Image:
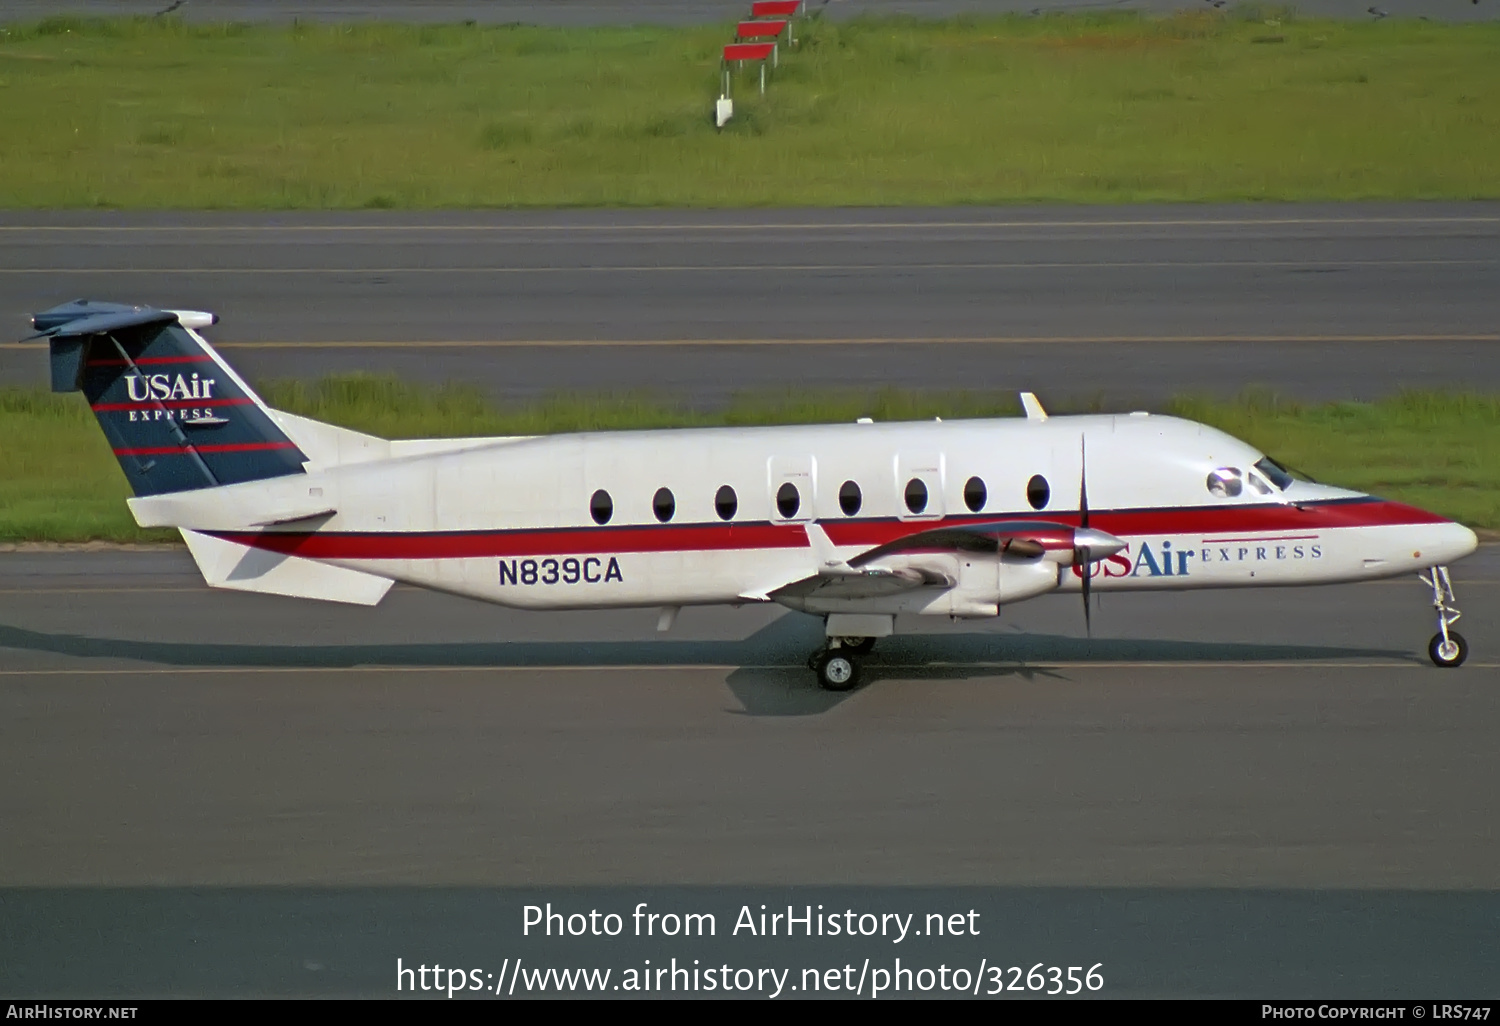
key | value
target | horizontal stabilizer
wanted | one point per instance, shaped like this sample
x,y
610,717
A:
x,y
225,564
76,322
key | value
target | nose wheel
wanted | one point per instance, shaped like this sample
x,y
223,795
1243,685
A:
x,y
1447,647
1449,651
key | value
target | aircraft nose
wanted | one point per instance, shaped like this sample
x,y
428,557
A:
x,y
1447,542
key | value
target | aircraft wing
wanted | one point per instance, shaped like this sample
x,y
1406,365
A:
x,y
874,582
1026,539
898,565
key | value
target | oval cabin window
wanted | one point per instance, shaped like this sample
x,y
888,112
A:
x,y
788,502
1038,491
726,503
601,507
849,498
663,504
916,495
975,494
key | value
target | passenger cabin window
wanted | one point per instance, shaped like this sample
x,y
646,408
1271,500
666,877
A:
x,y
1226,482
916,495
788,502
975,494
663,504
726,503
1278,475
850,498
601,507
1038,491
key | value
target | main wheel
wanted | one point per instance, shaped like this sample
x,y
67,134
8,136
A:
x,y
1453,652
859,646
837,669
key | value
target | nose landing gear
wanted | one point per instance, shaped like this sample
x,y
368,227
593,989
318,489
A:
x,y
1447,647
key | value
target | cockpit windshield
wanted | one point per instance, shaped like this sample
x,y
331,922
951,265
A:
x,y
1275,472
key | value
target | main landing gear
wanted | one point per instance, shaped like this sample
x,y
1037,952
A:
x,y
838,665
1447,647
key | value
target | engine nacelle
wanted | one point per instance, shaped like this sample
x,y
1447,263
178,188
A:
x,y
983,584
1018,580
932,584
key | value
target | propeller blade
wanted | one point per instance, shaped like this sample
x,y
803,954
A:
x,y
1083,553
1083,483
1088,576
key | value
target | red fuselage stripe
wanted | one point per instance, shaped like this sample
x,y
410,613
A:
x,y
708,537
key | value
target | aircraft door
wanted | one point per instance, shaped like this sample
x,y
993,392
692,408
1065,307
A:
x,y
792,485
919,485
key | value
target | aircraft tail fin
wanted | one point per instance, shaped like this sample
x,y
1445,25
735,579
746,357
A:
x,y
177,416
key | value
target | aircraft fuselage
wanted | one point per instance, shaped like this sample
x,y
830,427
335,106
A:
x,y
720,515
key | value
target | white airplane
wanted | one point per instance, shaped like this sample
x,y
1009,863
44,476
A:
x,y
855,523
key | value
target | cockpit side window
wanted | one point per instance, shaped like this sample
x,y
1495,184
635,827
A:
x,y
1226,482
1278,475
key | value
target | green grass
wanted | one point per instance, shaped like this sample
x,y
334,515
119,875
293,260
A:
x,y
158,113
1439,451
59,481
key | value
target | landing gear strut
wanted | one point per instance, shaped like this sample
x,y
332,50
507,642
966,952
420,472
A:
x,y
1447,647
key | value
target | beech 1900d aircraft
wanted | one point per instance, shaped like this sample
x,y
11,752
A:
x,y
855,523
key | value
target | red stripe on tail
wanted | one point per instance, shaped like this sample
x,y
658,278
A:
x,y
168,450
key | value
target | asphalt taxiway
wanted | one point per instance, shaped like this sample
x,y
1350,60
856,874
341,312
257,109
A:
x,y
1116,304
1220,794
159,731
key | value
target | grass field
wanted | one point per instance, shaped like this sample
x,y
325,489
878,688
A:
x,y
159,113
1441,452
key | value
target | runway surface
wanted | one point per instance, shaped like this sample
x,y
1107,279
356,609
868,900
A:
x,y
675,12
1222,793
1291,738
1119,303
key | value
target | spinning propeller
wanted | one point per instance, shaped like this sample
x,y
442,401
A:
x,y
1089,545
1083,553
